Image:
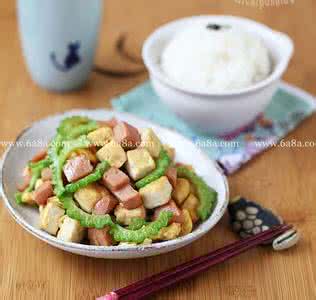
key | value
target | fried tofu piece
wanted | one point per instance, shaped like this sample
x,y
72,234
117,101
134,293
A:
x,y
191,204
50,217
88,196
38,183
124,216
168,233
181,191
71,230
88,153
113,153
156,193
151,142
28,198
101,136
187,224
139,163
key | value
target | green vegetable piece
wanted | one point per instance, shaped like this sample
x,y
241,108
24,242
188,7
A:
x,y
85,219
58,151
95,176
44,163
163,163
121,234
73,127
136,223
36,170
207,196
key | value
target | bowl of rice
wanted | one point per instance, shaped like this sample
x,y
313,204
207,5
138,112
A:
x,y
216,72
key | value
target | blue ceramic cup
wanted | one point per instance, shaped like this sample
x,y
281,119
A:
x,y
59,39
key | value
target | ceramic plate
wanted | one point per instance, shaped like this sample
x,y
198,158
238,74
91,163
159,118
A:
x,y
42,131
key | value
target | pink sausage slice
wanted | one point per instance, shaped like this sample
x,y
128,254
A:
x,y
26,179
126,135
105,206
170,206
46,174
43,192
110,123
114,179
172,176
128,197
100,237
77,168
39,156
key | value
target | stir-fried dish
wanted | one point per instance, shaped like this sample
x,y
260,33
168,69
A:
x,y
108,183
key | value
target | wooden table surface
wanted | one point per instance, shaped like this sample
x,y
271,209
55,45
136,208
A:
x,y
282,178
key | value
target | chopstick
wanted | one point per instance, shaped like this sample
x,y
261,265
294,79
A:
x,y
152,284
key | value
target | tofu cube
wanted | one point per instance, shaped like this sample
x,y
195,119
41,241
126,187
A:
x,y
113,153
28,198
168,233
139,163
71,231
124,216
151,142
101,136
88,196
181,191
50,217
191,204
156,193
187,225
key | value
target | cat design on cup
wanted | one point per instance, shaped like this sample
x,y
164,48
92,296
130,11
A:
x,y
70,61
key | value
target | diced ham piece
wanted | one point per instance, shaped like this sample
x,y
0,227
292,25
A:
x,y
77,167
126,135
43,192
172,176
110,123
128,197
46,174
114,179
170,206
105,206
100,237
39,156
26,179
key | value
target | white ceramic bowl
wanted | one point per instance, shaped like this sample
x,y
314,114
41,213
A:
x,y
16,157
217,113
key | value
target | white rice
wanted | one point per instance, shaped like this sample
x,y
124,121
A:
x,y
208,60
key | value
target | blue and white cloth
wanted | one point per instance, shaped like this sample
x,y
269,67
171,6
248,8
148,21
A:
x,y
289,107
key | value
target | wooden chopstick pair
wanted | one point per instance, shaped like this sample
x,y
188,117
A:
x,y
152,284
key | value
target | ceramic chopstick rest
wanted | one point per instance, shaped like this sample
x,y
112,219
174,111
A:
x,y
286,240
249,218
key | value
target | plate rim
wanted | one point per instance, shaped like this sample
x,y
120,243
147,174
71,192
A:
x,y
77,247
